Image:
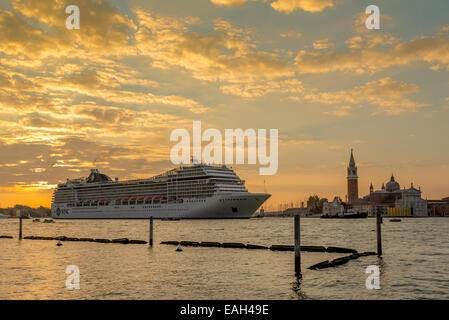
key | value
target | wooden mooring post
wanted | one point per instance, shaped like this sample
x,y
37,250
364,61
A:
x,y
20,223
297,246
379,233
151,231
20,228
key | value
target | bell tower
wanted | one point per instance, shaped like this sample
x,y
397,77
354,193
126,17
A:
x,y
353,184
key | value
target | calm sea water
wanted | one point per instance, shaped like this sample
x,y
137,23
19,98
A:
x,y
414,264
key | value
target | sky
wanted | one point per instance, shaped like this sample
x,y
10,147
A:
x,y
108,95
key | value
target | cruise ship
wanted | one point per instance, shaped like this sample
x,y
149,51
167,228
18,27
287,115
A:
x,y
196,191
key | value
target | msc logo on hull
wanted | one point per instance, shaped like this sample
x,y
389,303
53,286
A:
x,y
60,211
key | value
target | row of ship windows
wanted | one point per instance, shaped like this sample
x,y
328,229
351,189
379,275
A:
x,y
179,196
132,193
115,203
172,184
241,199
122,192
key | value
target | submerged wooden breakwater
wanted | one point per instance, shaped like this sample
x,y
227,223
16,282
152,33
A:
x,y
275,247
99,240
340,261
322,265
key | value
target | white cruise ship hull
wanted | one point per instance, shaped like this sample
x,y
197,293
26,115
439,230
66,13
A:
x,y
223,206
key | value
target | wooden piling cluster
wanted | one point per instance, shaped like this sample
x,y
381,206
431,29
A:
x,y
99,240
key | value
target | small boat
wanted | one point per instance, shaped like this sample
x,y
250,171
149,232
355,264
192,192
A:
x,y
36,220
395,220
328,216
350,214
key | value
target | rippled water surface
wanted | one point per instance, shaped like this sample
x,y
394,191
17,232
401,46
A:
x,y
414,264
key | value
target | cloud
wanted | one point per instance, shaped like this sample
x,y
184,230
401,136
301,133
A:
x,y
47,165
322,44
102,26
359,23
230,3
49,92
386,94
291,34
259,89
35,122
369,39
33,186
286,6
229,55
20,38
433,49
285,142
340,111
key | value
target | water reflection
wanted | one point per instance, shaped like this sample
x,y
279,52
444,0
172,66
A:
x,y
413,265
297,287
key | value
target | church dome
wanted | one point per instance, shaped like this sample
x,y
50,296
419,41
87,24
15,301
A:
x,y
392,185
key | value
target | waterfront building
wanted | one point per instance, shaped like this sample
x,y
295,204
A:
x,y
411,200
391,200
438,208
407,201
333,208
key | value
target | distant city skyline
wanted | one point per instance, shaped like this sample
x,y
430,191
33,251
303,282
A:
x,y
108,95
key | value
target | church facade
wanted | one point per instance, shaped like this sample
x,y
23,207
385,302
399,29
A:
x,y
390,199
